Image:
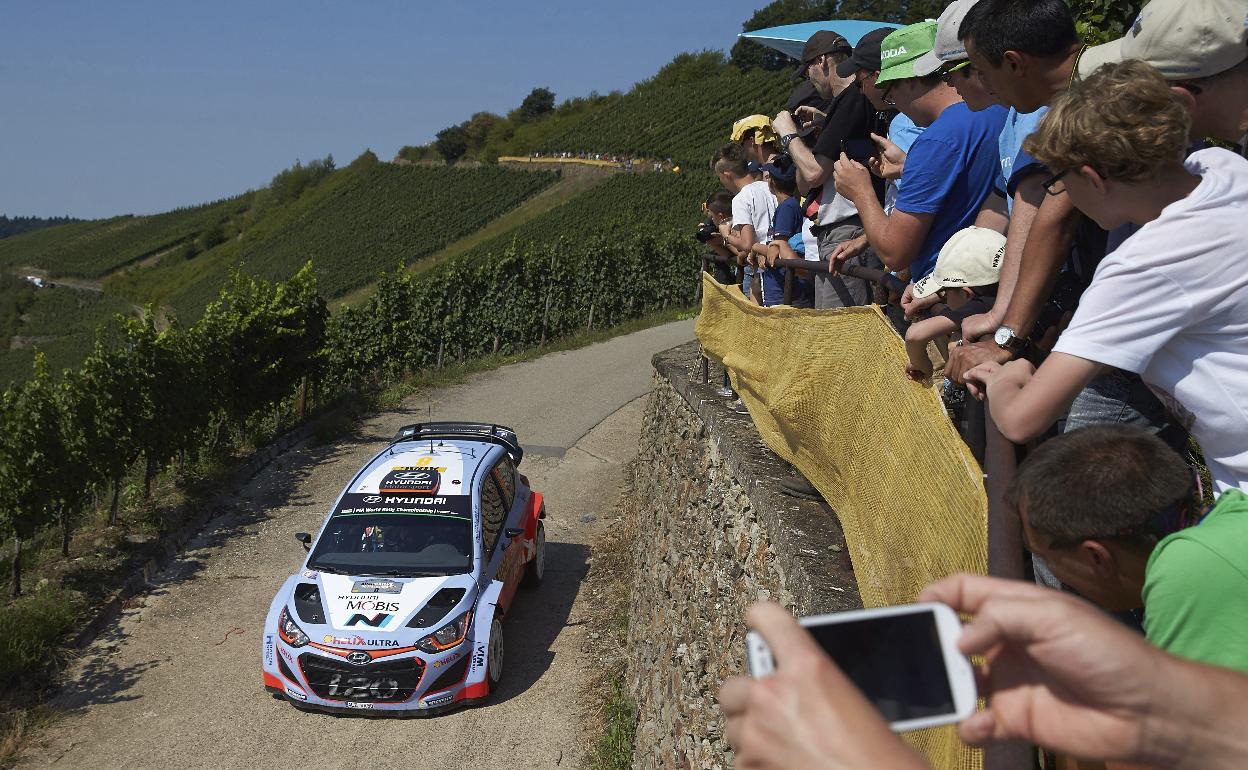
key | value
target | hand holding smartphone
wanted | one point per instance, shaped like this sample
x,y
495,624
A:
x,y
904,659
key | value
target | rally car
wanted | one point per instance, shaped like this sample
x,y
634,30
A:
x,y
398,607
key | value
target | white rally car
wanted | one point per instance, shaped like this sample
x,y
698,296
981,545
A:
x,y
398,606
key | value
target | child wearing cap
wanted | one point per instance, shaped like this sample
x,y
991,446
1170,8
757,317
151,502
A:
x,y
965,281
781,178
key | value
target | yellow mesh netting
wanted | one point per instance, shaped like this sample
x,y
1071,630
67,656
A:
x,y
827,392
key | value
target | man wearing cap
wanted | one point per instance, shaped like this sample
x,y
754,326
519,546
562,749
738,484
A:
x,y
949,171
849,116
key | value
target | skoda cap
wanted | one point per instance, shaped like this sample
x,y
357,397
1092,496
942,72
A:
x,y
900,51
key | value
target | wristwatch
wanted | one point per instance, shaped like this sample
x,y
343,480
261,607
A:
x,y
786,139
1007,340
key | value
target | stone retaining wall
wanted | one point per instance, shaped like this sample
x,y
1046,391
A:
x,y
716,535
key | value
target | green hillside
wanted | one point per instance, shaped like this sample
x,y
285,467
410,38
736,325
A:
x,y
625,204
353,225
61,322
92,249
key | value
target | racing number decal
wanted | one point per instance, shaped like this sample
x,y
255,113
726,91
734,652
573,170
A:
x,y
410,480
363,687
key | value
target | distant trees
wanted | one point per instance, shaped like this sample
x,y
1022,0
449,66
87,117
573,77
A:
x,y
289,184
18,225
451,143
539,102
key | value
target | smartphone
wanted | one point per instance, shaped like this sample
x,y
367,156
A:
x,y
861,150
905,659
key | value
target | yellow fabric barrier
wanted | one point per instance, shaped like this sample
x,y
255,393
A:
x,y
828,393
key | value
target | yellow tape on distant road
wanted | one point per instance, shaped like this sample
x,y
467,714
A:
x,y
827,392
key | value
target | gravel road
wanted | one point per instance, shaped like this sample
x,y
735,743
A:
x,y
175,682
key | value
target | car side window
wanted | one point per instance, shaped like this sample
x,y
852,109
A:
x,y
493,512
505,471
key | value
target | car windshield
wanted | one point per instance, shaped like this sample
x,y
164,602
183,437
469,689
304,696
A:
x,y
397,544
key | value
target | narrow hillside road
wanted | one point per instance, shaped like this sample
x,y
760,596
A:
x,y
176,681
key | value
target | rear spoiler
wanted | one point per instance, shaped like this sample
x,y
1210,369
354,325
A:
x,y
469,431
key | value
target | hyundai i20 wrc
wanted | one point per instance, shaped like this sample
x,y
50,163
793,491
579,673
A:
x,y
398,607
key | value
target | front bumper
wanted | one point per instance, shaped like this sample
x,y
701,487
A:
x,y
408,684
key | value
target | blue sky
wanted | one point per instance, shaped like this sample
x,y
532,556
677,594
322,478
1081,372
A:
x,y
142,106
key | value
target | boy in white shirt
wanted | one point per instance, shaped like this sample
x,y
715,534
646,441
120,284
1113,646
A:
x,y
753,208
1171,303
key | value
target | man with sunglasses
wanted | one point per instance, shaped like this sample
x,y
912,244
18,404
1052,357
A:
x,y
1116,515
849,117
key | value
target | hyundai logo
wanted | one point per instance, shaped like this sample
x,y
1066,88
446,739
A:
x,y
372,499
358,658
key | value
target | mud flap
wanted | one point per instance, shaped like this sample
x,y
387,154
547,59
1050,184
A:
x,y
475,685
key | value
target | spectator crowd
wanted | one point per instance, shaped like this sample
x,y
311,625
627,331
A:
x,y
1067,221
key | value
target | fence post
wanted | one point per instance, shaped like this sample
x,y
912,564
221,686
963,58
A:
x,y
1005,558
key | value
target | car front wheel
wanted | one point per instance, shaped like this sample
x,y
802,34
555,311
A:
x,y
494,655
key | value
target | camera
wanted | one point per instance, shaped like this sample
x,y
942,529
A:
x,y
706,231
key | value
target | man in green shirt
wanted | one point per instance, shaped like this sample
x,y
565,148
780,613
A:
x,y
1115,513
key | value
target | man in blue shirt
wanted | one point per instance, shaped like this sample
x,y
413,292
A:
x,y
949,172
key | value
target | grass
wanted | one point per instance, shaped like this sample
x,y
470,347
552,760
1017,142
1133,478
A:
x,y
610,714
614,750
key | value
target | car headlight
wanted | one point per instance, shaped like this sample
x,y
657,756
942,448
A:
x,y
289,631
447,636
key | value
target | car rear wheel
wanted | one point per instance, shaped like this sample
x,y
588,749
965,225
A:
x,y
494,654
535,570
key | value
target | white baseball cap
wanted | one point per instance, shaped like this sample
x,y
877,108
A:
x,y
971,257
1183,39
947,49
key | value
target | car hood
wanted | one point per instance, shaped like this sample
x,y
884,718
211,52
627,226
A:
x,y
376,605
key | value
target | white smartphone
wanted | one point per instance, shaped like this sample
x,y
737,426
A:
x,y
905,659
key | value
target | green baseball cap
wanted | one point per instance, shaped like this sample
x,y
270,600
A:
x,y
901,49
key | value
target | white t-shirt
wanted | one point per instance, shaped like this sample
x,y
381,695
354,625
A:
x,y
833,207
809,241
755,205
1171,304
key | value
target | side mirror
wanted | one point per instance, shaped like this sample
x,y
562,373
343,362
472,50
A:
x,y
513,532
305,538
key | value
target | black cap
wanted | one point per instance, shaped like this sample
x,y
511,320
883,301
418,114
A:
x,y
866,54
823,41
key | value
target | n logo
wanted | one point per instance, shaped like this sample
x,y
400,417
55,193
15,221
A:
x,y
375,621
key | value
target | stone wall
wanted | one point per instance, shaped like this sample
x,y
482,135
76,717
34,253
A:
x,y
716,535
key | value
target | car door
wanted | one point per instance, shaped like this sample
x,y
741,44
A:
x,y
510,568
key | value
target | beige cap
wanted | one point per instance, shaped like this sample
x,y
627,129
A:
x,y
971,257
1184,39
947,48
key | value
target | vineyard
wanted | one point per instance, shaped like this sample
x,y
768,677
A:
x,y
684,113
622,206
60,323
360,221
94,248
